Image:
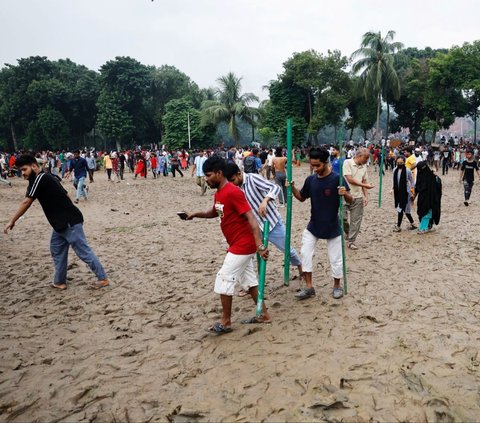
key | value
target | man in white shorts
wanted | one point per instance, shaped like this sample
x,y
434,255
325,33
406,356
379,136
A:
x,y
324,190
242,233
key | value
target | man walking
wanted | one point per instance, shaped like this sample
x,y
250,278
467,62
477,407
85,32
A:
x,y
355,172
197,169
63,216
242,233
323,189
467,176
92,164
78,165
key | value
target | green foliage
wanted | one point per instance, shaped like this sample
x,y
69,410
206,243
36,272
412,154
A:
x,y
314,90
375,66
114,122
125,83
175,122
362,112
228,105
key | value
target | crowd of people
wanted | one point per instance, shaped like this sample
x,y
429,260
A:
x,y
246,197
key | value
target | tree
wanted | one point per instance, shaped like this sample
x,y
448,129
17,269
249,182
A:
x,y
229,104
125,85
376,68
114,122
37,92
362,111
175,122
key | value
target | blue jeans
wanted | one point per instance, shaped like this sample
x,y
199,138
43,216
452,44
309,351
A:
x,y
75,237
64,168
277,238
80,183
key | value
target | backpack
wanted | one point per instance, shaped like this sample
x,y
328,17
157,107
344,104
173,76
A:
x,y
249,165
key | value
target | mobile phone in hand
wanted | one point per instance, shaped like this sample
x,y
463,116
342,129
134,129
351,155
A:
x,y
182,215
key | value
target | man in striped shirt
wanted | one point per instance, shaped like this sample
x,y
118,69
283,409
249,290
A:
x,y
261,194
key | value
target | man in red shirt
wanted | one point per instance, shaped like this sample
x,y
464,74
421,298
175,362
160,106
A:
x,y
242,233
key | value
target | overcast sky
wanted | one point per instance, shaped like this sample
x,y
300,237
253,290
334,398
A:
x,y
208,38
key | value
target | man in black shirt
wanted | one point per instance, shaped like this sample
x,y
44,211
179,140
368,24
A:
x,y
65,219
467,175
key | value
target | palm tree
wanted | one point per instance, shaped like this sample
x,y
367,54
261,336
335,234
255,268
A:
x,y
376,68
229,105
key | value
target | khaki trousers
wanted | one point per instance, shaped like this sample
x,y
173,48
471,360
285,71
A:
x,y
355,212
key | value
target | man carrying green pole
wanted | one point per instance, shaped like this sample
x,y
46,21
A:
x,y
323,189
286,262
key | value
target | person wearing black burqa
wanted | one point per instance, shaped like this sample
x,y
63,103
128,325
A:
x,y
403,185
428,188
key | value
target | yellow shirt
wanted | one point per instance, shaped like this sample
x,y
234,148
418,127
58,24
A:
x,y
410,162
107,162
358,172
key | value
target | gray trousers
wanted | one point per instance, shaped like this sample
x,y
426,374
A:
x,y
355,210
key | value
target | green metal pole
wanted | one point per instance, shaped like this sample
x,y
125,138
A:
x,y
344,259
262,268
288,200
381,179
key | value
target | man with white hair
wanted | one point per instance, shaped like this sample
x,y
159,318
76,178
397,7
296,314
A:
x,y
355,172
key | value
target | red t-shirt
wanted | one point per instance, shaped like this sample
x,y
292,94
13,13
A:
x,y
231,206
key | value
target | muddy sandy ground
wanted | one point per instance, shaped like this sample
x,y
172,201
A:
x,y
401,346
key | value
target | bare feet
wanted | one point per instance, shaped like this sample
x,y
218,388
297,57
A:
x,y
61,286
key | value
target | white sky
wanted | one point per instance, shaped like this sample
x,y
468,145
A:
x,y
208,38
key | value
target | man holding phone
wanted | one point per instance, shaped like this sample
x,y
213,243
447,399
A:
x,y
242,233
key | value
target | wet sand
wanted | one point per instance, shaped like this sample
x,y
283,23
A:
x,y
401,346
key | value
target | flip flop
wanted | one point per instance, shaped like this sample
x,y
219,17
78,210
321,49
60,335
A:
x,y
99,284
61,287
254,320
219,329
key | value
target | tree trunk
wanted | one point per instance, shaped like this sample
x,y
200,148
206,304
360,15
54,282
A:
x,y
379,103
475,125
309,107
388,121
335,133
14,136
351,134
119,146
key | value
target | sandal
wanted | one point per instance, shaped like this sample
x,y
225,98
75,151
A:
x,y
219,329
242,293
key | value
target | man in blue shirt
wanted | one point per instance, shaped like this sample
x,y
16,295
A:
x,y
197,169
78,165
323,189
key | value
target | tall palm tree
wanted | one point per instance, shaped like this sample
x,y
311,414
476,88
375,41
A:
x,y
229,105
375,67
